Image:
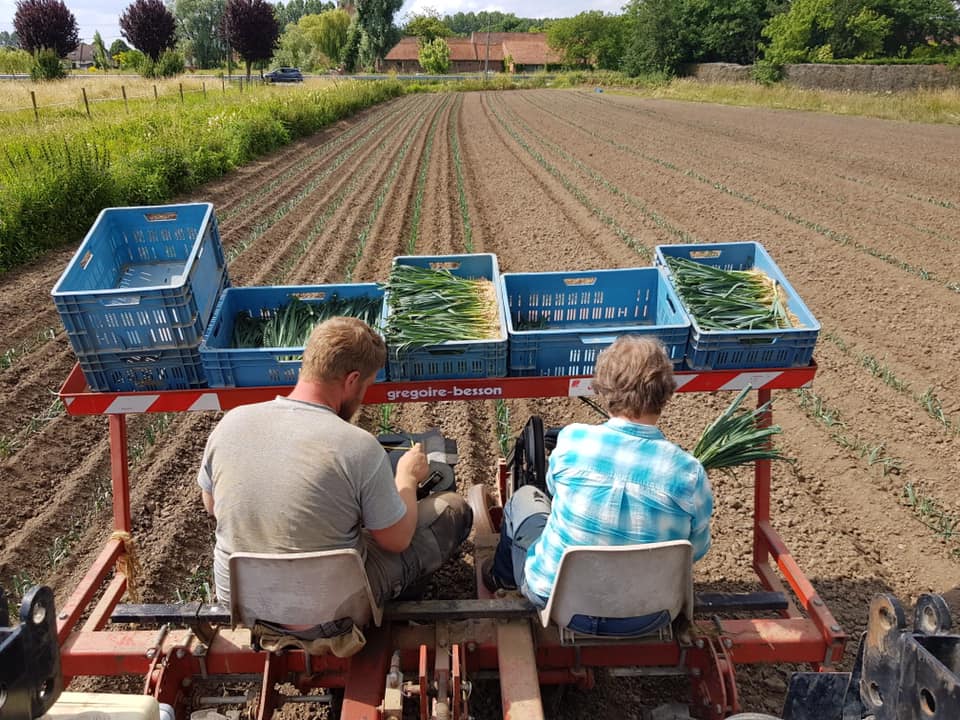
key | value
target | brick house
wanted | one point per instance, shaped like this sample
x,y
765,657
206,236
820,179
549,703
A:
x,y
82,57
524,52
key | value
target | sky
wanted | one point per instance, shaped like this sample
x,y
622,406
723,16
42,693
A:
x,y
103,15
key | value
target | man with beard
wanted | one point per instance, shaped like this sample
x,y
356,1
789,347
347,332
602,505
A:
x,y
293,475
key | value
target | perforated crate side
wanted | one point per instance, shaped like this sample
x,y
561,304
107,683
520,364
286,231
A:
x,y
139,286
745,349
481,360
227,366
143,371
587,310
454,359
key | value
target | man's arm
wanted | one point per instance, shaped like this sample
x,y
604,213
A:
x,y
205,481
412,469
207,501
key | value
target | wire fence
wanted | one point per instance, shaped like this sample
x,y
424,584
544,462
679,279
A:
x,y
157,93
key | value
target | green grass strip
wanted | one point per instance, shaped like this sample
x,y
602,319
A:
x,y
259,192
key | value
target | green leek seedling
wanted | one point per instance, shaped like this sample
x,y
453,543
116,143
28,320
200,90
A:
x,y
429,307
730,299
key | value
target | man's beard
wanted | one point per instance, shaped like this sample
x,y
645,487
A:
x,y
349,407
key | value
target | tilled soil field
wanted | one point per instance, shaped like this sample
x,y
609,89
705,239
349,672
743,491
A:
x,y
861,215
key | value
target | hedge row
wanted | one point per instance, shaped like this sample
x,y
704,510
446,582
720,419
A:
x,y
52,186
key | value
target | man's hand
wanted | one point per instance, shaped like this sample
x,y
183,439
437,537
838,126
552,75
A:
x,y
412,468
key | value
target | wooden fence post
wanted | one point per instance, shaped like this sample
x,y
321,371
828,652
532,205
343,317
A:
x,y
223,84
33,99
155,96
204,86
85,103
123,91
181,93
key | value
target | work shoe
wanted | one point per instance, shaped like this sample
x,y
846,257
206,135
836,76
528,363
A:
x,y
491,581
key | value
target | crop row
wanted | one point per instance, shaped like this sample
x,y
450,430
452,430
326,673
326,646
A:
x,y
873,453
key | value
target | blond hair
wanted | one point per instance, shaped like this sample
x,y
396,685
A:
x,y
634,376
339,346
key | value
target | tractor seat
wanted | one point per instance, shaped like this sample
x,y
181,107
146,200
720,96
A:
x,y
318,601
624,591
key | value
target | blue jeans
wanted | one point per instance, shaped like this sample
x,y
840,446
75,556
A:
x,y
524,517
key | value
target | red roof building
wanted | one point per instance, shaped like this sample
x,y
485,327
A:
x,y
523,52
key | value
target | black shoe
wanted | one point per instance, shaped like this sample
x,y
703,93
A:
x,y
490,580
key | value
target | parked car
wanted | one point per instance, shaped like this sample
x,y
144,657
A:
x,y
284,74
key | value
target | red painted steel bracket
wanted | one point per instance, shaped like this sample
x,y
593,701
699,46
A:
x,y
78,399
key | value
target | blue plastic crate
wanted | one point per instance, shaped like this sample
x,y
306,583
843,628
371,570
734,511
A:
x,y
143,370
227,366
144,278
452,359
583,313
746,349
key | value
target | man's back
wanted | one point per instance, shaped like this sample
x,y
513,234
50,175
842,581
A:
x,y
619,483
289,476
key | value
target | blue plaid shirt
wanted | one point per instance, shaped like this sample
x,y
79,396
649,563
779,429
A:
x,y
620,483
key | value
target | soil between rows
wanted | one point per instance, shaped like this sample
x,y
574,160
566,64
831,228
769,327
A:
x,y
793,181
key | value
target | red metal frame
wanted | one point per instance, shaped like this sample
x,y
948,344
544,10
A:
x,y
814,638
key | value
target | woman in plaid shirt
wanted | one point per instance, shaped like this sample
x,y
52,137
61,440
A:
x,y
619,483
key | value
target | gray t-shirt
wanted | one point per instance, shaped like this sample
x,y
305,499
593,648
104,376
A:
x,y
289,476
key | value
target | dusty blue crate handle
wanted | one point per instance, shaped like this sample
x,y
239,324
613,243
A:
x,y
120,301
160,216
759,341
320,295
573,281
445,265
139,359
598,340
705,254
451,351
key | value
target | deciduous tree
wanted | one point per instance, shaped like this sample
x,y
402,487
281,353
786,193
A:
x,y
427,26
590,38
101,59
379,34
251,29
46,24
200,23
327,31
293,10
149,26
657,38
434,56
491,21
118,46
350,54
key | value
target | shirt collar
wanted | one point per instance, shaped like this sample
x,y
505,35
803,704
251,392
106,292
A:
x,y
637,429
307,403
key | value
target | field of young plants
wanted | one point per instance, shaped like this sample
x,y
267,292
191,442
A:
x,y
861,215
